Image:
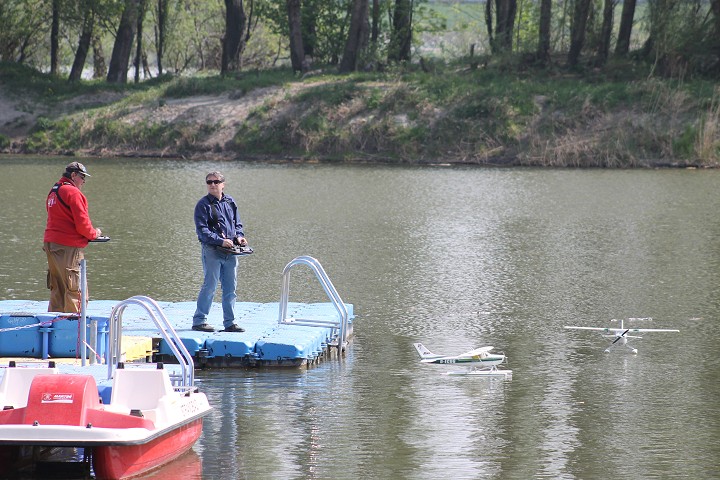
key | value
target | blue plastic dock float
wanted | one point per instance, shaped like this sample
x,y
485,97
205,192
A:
x,y
28,330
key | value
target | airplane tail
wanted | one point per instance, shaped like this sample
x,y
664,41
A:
x,y
422,351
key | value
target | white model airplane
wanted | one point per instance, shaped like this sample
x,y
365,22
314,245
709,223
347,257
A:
x,y
479,361
619,336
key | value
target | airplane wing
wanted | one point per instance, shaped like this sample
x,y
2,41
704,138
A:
x,y
476,352
640,330
598,329
615,330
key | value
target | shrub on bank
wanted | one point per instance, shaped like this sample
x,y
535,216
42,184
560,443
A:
x,y
449,114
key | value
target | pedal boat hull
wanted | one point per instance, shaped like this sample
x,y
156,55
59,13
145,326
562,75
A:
x,y
63,410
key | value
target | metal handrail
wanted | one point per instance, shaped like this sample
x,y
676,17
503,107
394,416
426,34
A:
x,y
83,312
112,355
330,291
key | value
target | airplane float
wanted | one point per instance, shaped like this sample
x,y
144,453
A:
x,y
479,361
619,336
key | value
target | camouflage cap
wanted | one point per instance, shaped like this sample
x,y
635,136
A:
x,y
77,167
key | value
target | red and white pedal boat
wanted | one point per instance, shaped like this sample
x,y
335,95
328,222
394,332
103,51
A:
x,y
148,422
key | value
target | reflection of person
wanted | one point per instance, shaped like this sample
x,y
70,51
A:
x,y
67,233
218,226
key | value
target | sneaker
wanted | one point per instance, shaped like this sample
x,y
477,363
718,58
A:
x,y
203,327
233,328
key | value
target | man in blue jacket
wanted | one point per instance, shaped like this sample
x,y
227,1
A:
x,y
218,227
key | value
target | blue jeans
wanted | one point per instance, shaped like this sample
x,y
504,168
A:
x,y
221,266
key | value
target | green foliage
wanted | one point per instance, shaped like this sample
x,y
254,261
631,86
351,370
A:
x,y
194,30
51,90
71,134
4,141
22,20
214,84
331,95
683,146
325,25
613,118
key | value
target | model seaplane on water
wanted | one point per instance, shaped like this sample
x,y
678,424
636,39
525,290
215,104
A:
x,y
479,361
619,336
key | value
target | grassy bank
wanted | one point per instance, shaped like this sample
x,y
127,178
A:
x,y
494,114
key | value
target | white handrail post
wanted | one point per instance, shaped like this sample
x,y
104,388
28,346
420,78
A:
x,y
167,331
330,291
81,321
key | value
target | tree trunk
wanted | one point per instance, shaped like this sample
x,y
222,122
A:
x,y
622,47
139,43
120,58
543,52
297,50
505,11
577,31
99,67
54,37
357,36
162,16
715,5
83,46
375,29
308,28
401,35
606,32
489,24
233,41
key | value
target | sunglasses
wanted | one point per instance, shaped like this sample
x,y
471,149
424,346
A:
x,y
216,182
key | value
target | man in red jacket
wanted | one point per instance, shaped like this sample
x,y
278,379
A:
x,y
67,233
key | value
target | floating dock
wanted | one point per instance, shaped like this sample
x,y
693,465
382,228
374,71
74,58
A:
x,y
281,334
27,330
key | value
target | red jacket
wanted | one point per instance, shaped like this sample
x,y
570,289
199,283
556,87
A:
x,y
68,223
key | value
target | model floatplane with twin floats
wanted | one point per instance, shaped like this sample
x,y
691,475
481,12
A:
x,y
479,361
619,336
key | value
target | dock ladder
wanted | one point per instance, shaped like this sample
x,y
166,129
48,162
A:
x,y
340,326
167,331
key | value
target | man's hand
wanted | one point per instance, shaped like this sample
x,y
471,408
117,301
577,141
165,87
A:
x,y
98,232
240,241
227,243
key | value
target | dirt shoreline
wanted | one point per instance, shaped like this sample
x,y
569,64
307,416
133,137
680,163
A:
x,y
212,123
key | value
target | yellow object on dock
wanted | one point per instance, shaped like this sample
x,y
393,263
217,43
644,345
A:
x,y
136,348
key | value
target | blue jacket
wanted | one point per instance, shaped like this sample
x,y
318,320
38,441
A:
x,y
214,224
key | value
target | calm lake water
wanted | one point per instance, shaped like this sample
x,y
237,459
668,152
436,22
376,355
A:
x,y
455,258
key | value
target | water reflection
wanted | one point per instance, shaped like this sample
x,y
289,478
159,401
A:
x,y
456,259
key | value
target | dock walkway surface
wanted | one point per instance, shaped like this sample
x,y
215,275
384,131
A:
x,y
27,330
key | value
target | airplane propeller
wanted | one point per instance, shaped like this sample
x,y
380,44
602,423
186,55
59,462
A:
x,y
621,336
